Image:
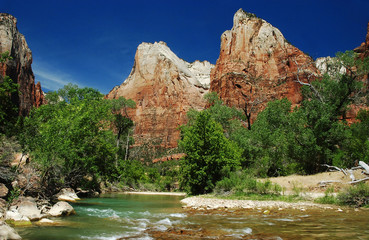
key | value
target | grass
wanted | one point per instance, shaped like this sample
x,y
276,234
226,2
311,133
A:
x,y
259,197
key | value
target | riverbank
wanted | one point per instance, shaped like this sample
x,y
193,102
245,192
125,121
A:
x,y
211,203
158,193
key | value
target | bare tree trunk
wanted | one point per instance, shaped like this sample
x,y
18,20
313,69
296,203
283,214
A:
x,y
127,143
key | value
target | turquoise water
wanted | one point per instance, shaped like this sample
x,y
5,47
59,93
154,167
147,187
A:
x,y
110,217
116,216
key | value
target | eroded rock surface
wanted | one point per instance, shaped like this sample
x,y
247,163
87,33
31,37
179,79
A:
x,y
19,68
164,88
257,64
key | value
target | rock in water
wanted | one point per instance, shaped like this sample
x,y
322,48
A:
x,y
19,68
27,207
257,64
61,209
8,233
164,88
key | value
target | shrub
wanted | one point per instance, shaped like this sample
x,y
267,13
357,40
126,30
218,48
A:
x,y
242,183
357,195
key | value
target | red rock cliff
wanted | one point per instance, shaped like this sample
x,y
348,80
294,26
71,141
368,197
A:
x,y
256,65
164,88
19,68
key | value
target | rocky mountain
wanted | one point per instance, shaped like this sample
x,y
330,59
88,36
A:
x,y
257,64
19,68
363,49
164,88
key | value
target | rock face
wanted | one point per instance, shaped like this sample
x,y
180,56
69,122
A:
x,y
363,49
164,88
19,68
257,64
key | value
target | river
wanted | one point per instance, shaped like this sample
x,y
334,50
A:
x,y
115,216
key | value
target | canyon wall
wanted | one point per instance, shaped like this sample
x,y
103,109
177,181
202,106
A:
x,y
19,67
257,65
164,88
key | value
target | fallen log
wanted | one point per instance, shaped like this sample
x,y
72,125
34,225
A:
x,y
365,166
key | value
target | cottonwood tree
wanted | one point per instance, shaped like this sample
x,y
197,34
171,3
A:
x,y
208,154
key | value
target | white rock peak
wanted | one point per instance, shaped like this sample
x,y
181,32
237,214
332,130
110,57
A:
x,y
149,54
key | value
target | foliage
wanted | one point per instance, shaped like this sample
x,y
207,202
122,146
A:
x,y
69,137
242,183
208,152
8,146
8,110
357,195
329,197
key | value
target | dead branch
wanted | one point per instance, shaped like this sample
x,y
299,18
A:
x,y
334,167
300,69
359,180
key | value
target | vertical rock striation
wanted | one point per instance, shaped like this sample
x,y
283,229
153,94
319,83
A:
x,y
19,68
164,88
257,64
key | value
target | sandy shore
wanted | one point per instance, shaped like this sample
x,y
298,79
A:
x,y
157,193
202,203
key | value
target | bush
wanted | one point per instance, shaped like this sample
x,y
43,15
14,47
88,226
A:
x,y
242,183
208,151
355,196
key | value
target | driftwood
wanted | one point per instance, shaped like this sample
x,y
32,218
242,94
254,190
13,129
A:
x,y
336,168
362,165
325,183
351,174
365,166
359,180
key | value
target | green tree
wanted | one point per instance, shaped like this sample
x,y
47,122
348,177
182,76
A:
x,y
324,109
122,122
70,138
8,110
208,154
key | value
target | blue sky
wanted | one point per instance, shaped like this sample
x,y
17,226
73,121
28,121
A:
x,y
93,43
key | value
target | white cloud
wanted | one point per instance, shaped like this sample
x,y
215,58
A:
x,y
52,79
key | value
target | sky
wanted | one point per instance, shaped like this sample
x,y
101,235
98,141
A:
x,y
93,43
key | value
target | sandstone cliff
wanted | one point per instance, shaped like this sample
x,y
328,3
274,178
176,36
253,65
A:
x,y
363,49
19,68
257,64
164,88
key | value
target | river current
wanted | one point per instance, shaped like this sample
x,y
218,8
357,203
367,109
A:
x,y
115,216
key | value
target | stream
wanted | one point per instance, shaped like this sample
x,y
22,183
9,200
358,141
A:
x,y
124,216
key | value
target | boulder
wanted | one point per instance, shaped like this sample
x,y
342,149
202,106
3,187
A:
x,y
6,232
67,194
3,190
2,208
27,207
15,218
61,209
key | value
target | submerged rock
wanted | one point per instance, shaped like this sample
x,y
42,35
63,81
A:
x,y
13,217
6,232
61,209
